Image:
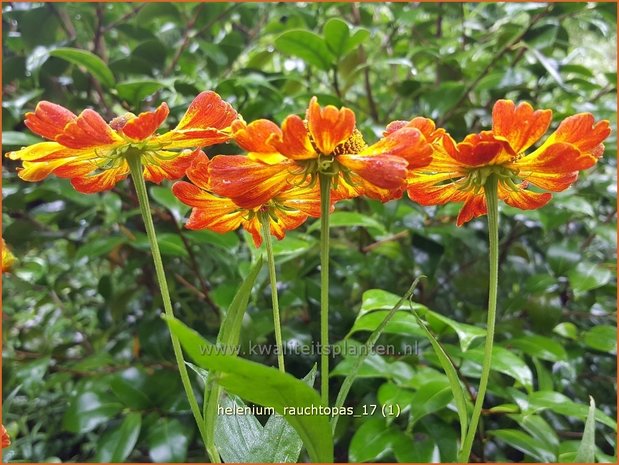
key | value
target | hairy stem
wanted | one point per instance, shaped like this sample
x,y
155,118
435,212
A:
x,y
266,234
493,237
135,166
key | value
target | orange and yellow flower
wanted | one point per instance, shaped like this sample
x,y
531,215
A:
x,y
8,259
458,171
327,142
93,154
286,208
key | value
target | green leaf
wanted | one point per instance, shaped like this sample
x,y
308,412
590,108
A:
x,y
91,62
352,219
401,323
265,386
457,389
377,299
525,443
505,362
372,441
417,449
129,388
88,409
135,92
18,139
99,246
603,338
548,63
587,276
230,329
586,450
116,445
169,243
306,45
240,438
430,397
336,34
539,346
561,404
168,441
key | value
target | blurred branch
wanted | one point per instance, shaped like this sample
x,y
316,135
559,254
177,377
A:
x,y
123,18
491,63
65,21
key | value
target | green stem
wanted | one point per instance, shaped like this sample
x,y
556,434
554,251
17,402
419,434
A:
x,y
491,193
325,212
266,234
369,346
210,417
135,166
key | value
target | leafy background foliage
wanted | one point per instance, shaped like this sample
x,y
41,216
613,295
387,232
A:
x,y
87,367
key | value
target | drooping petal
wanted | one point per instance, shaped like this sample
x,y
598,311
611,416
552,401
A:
x,y
426,126
6,439
44,151
89,129
329,126
48,119
102,181
145,124
383,171
585,134
249,183
408,143
171,166
206,122
552,167
474,206
254,137
198,171
483,149
209,212
303,199
294,142
520,125
435,189
523,198
285,220
37,171
207,110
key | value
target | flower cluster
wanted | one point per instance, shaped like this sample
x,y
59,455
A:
x,y
275,182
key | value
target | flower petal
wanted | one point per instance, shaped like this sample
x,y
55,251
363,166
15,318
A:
x,y
552,167
254,137
383,171
89,129
198,171
294,142
206,122
145,124
483,149
520,125
474,206
408,143
209,212
174,166
523,198
426,126
249,183
207,111
329,126
48,119
585,134
435,189
99,182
